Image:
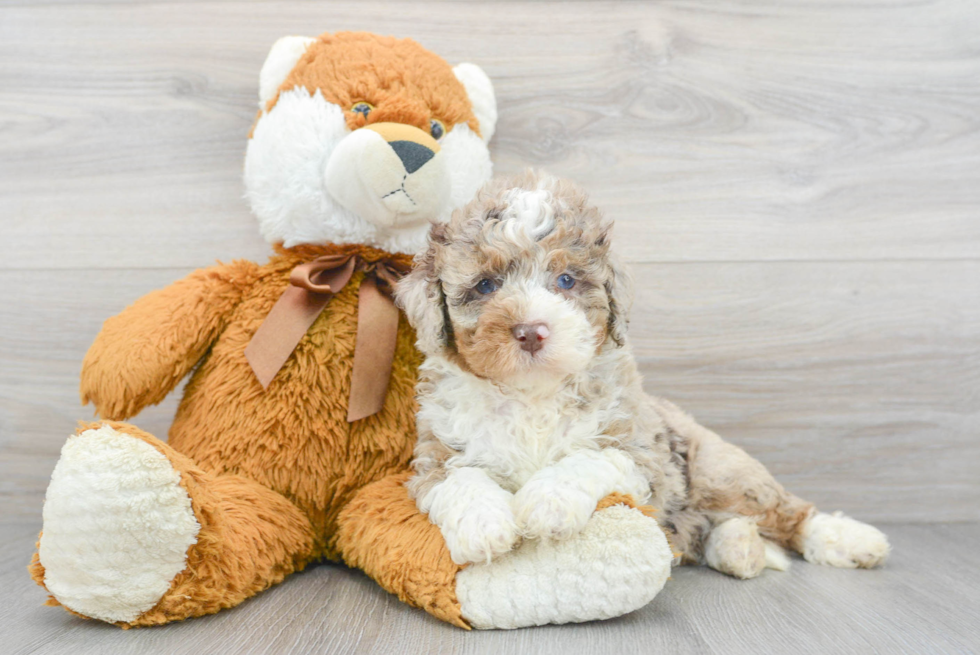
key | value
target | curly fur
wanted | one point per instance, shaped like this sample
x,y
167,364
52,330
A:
x,y
516,444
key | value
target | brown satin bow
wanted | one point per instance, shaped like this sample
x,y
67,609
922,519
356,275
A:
x,y
311,286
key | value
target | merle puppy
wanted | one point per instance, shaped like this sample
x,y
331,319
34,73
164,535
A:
x,y
531,409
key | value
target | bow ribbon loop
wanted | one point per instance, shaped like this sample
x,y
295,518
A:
x,y
327,274
311,286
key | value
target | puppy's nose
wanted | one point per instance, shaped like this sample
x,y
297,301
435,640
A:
x,y
531,335
413,155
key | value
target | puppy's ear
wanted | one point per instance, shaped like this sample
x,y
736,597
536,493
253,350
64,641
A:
x,y
619,289
420,295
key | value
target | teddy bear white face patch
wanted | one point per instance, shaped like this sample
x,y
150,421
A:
x,y
311,179
390,174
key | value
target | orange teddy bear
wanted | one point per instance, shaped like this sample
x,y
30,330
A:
x,y
294,435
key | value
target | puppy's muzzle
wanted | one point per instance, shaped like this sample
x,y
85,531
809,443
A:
x,y
531,336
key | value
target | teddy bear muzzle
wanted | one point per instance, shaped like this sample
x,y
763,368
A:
x,y
392,174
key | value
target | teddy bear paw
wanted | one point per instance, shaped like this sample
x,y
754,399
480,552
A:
x,y
117,526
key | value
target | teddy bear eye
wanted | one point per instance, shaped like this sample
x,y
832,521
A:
x,y
566,281
362,108
486,285
437,129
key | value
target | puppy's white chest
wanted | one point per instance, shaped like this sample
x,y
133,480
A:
x,y
513,439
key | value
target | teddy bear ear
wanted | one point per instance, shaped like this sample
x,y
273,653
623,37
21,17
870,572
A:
x,y
480,91
279,64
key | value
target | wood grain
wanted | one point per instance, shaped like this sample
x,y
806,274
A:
x,y
857,383
918,603
711,131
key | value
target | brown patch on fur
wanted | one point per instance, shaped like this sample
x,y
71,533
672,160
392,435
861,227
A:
x,y
724,479
268,471
490,346
383,534
403,81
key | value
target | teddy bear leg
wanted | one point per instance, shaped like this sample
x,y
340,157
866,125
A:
x,y
136,534
382,532
615,565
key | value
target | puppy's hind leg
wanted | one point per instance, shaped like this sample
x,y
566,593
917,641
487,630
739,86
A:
x,y
726,482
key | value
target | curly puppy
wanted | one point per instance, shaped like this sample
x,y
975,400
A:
x,y
531,409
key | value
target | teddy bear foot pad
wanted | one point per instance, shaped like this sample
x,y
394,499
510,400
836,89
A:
x,y
617,564
117,526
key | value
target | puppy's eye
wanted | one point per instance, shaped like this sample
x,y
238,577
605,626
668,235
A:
x,y
486,285
362,108
565,281
437,129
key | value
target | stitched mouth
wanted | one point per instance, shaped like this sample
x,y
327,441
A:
x,y
402,190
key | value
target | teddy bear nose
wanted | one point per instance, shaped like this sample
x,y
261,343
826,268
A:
x,y
413,155
531,336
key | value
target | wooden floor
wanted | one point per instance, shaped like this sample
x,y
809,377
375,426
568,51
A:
x,y
926,600
797,186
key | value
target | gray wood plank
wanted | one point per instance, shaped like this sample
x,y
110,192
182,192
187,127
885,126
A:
x,y
856,383
925,600
711,131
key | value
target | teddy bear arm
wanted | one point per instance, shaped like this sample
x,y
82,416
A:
x,y
141,354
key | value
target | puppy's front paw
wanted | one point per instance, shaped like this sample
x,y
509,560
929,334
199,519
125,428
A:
x,y
481,534
552,511
838,540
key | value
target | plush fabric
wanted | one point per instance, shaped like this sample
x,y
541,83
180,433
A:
x,y
267,471
382,532
403,81
541,583
145,525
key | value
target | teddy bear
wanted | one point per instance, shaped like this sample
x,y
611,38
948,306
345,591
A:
x,y
293,438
